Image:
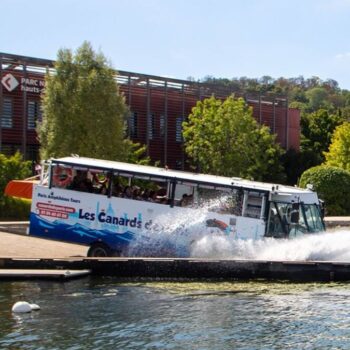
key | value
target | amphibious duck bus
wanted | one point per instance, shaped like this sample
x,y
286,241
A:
x,y
122,209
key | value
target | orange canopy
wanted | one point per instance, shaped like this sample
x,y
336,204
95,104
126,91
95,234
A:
x,y
20,188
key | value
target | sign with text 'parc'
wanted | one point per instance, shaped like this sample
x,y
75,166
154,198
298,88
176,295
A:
x,y
32,85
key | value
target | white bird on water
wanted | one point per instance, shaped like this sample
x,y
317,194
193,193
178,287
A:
x,y
24,307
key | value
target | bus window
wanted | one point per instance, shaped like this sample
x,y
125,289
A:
x,y
82,181
313,217
224,200
184,195
141,188
252,204
275,226
283,221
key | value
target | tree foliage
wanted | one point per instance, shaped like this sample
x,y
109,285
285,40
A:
x,y
317,98
223,138
295,163
339,150
83,110
323,105
316,131
311,93
11,168
332,185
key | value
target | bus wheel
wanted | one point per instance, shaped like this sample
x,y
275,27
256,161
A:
x,y
117,253
99,250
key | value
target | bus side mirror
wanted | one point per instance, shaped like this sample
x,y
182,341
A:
x,y
322,208
294,216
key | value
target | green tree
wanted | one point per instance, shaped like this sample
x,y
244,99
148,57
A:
x,y
83,111
12,168
223,138
318,98
345,113
297,94
332,184
316,132
339,150
295,163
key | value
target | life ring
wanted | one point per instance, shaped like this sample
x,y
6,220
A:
x,y
62,177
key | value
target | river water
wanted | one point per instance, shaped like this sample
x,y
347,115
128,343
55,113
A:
x,y
104,313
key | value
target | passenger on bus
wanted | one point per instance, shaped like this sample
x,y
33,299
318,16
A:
x,y
165,200
127,193
81,182
161,192
136,193
103,189
117,190
186,200
145,194
152,196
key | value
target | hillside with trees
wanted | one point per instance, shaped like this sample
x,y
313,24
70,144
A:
x,y
324,156
323,104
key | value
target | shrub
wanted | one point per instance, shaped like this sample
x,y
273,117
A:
x,y
13,167
14,209
332,185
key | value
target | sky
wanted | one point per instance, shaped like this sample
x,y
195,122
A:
x,y
189,38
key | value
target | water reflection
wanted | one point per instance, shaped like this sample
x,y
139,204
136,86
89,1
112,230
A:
x,y
105,314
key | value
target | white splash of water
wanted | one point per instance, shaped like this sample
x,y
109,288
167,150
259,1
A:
x,y
174,233
333,246
184,233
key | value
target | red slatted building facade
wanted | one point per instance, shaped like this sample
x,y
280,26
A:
x,y
157,105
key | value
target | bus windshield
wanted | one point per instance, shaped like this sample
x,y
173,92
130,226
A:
x,y
281,225
313,217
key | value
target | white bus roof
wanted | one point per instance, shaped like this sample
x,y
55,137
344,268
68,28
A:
x,y
149,171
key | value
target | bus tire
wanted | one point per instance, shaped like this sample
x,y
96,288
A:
x,y
117,253
99,250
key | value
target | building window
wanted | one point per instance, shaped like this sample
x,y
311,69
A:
x,y
6,116
150,126
178,134
133,124
34,114
162,126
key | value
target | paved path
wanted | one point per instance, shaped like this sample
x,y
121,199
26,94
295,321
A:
x,y
20,246
334,221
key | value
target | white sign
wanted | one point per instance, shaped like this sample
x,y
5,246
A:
x,y
32,85
27,84
10,82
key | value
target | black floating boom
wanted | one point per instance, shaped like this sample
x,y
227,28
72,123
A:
x,y
191,269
